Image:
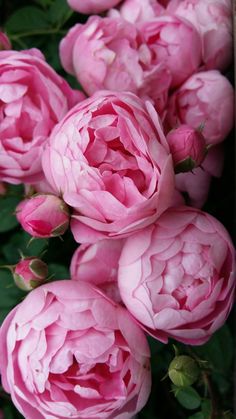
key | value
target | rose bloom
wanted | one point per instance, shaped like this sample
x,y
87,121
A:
x,y
110,160
171,41
98,264
33,98
92,6
177,277
206,98
137,10
69,351
114,58
213,20
43,215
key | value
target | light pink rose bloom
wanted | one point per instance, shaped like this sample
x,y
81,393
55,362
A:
x,y
177,277
29,273
98,264
5,43
110,160
196,184
92,6
206,98
187,146
213,20
69,351
173,42
33,98
114,58
137,10
43,215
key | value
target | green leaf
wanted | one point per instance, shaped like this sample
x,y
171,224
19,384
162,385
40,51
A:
x,y
198,415
220,343
59,12
27,19
10,295
188,397
8,219
58,271
21,242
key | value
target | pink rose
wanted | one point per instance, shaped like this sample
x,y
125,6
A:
x,y
98,264
206,98
5,43
29,273
110,160
43,215
92,6
114,58
213,20
137,10
177,277
173,42
33,98
188,148
68,351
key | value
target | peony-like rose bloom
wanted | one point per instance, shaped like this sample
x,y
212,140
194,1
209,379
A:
x,y
69,351
110,160
213,20
173,42
177,277
98,264
5,43
33,98
137,10
43,215
115,58
206,98
92,6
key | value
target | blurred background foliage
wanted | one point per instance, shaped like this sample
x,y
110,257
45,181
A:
x,y
41,24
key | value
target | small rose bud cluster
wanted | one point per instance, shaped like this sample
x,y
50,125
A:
x,y
29,273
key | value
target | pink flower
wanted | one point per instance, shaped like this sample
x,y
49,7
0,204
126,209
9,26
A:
x,y
98,264
5,43
213,20
110,160
43,215
177,277
68,351
29,273
114,58
92,6
196,184
137,10
205,98
33,98
187,146
173,42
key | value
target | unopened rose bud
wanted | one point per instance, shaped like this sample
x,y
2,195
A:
x,y
188,148
29,273
43,215
183,371
4,41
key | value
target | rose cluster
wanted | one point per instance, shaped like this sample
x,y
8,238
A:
x,y
115,168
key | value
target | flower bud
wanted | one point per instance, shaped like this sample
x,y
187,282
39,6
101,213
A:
x,y
183,371
29,273
188,148
43,215
4,41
